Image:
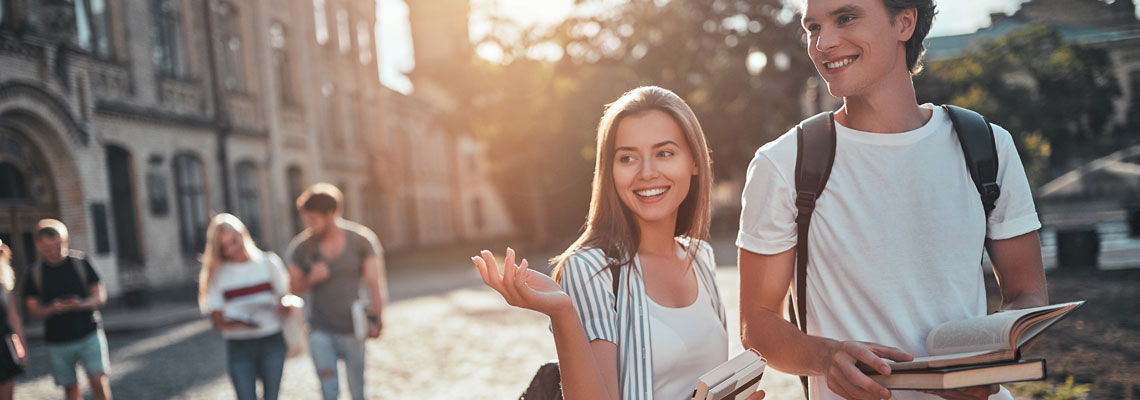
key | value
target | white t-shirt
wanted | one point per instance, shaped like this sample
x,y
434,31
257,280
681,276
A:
x,y
249,291
687,342
897,235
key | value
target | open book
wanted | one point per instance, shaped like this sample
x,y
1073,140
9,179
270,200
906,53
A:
x,y
734,379
993,338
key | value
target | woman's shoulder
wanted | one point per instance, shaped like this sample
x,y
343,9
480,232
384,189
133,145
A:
x,y
588,259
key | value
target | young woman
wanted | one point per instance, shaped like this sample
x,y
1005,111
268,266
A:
x,y
13,355
241,287
648,221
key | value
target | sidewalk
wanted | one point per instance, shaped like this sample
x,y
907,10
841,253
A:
x,y
124,320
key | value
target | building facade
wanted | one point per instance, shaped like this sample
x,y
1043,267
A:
x,y
134,121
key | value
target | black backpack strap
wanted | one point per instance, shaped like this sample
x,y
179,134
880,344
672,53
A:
x,y
814,157
977,139
615,276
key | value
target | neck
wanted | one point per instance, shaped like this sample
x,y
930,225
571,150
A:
x,y
657,236
54,258
891,107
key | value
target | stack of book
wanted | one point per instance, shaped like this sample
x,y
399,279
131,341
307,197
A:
x,y
977,351
734,379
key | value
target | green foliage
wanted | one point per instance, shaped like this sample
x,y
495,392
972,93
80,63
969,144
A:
x,y
1033,84
1051,391
539,116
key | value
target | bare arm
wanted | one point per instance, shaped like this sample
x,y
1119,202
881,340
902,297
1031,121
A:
x,y
301,282
764,282
588,368
40,311
1019,271
376,278
97,298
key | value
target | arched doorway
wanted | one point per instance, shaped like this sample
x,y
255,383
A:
x,y
26,194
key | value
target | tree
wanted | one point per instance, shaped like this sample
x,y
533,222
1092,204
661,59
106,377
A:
x,y
739,64
1049,94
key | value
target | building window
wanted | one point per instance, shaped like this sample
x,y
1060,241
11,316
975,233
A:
x,y
279,42
249,203
364,41
322,21
12,186
92,26
343,32
169,54
190,189
229,35
296,182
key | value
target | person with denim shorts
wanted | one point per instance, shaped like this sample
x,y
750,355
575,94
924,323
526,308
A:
x,y
64,288
330,261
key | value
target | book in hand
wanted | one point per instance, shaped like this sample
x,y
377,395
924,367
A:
x,y
962,377
734,379
993,338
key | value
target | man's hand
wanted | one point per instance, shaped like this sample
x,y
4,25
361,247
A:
x,y
375,325
844,377
65,305
970,393
318,273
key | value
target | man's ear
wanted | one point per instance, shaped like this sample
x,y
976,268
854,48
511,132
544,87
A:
x,y
904,23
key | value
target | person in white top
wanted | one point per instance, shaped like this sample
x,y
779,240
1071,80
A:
x,y
649,214
241,287
898,232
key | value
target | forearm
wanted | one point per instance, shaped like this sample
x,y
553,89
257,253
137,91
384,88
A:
x,y
14,320
377,286
786,348
38,311
581,376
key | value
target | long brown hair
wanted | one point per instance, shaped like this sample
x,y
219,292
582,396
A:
x,y
212,258
7,278
610,225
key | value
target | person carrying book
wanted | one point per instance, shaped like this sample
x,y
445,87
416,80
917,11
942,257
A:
x,y
330,261
64,288
654,331
896,236
241,286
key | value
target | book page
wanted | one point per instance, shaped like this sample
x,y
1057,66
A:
x,y
988,333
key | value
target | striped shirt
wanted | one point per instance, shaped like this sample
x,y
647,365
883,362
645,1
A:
x,y
590,288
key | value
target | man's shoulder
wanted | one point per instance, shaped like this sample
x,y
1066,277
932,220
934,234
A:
x,y
356,228
297,241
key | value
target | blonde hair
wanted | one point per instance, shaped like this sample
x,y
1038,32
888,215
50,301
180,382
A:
x,y
212,258
610,225
7,277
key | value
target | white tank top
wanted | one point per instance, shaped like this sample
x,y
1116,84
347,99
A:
x,y
687,342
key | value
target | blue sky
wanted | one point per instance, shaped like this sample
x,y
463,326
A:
x,y
954,17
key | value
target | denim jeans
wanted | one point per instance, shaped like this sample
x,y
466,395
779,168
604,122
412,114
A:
x,y
253,359
326,348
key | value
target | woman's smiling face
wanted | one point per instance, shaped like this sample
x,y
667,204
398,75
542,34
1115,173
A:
x,y
653,166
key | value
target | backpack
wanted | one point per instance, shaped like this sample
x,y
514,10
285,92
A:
x,y
37,272
816,154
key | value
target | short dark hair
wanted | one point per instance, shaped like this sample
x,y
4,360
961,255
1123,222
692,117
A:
x,y
321,197
914,47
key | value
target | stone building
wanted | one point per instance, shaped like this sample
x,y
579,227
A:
x,y
133,121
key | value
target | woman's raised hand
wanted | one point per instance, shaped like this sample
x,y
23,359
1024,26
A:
x,y
521,286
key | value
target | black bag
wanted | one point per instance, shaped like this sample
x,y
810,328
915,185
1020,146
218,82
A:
x,y
816,138
547,382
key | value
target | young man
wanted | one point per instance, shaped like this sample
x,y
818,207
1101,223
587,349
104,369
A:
x,y
898,231
330,260
63,287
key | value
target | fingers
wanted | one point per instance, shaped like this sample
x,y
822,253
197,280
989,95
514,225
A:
x,y
757,395
863,385
494,279
891,353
